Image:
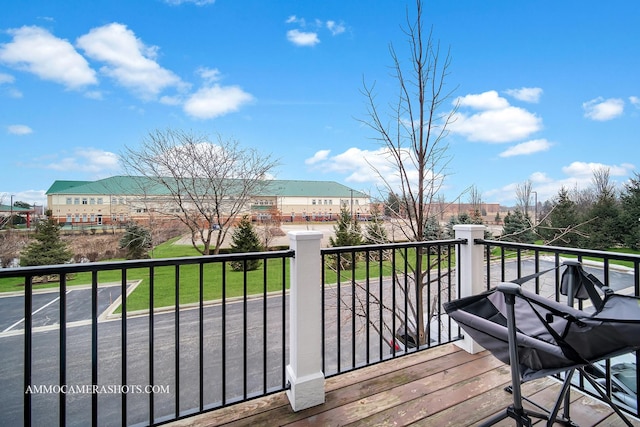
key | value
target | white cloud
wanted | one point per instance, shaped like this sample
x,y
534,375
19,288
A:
x,y
526,94
129,61
37,197
301,38
6,78
318,157
364,166
15,93
90,160
307,34
529,147
209,75
19,129
577,175
495,121
214,101
335,28
37,51
585,170
93,94
635,101
489,100
601,109
293,19
196,2
505,125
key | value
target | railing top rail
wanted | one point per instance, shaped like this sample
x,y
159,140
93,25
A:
x,y
375,247
565,250
146,263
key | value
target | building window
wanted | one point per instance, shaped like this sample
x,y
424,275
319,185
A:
x,y
76,201
69,200
313,202
84,217
99,200
77,218
92,201
69,219
93,218
84,200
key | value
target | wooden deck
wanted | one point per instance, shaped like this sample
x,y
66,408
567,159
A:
x,y
444,386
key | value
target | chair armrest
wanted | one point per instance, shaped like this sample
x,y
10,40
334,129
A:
x,y
509,288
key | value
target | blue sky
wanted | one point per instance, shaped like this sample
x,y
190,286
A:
x,y
547,90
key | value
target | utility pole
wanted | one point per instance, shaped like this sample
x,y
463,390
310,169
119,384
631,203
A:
x,y
11,215
351,203
535,209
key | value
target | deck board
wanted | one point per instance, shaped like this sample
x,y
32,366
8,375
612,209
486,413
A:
x,y
444,386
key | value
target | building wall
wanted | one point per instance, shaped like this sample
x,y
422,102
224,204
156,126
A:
x,y
115,209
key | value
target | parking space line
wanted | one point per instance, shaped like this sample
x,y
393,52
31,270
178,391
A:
x,y
41,308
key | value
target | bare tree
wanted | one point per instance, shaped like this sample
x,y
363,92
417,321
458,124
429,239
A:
x,y
412,129
475,198
602,185
204,184
523,197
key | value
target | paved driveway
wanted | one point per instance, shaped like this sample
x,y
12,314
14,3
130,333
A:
x,y
46,307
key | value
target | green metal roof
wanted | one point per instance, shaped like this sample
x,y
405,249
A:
x,y
293,188
136,185
15,209
121,185
60,186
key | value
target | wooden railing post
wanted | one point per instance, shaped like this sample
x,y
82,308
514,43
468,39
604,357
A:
x,y
469,268
304,372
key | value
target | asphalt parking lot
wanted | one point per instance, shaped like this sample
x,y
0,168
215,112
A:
x,y
46,307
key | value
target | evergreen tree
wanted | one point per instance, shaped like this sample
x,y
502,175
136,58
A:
x,y
603,229
464,218
375,231
630,215
347,232
448,229
497,219
476,217
245,239
432,229
47,248
392,206
136,241
517,228
562,217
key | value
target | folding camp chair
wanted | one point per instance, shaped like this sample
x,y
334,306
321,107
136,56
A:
x,y
539,337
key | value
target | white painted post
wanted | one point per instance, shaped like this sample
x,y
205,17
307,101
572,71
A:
x,y
304,372
469,262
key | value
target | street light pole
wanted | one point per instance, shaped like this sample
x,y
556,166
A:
x,y
351,209
11,215
535,209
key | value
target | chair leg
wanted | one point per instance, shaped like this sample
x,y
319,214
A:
x,y
604,396
562,397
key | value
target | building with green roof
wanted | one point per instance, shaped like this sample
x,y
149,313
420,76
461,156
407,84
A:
x,y
121,199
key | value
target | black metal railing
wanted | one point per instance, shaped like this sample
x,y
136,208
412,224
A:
x,y
372,304
145,341
506,261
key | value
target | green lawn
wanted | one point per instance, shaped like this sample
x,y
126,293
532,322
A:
x,y
189,278
496,253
